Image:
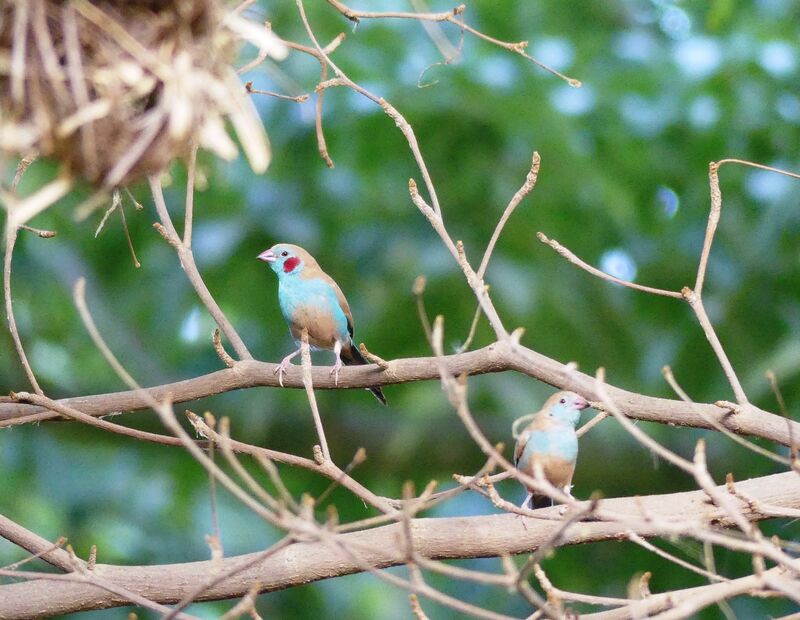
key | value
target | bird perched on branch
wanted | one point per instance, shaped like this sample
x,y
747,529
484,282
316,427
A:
x,y
550,441
311,300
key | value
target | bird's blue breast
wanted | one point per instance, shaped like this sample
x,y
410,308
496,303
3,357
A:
x,y
559,441
296,295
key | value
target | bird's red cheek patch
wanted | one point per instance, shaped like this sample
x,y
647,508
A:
x,y
290,264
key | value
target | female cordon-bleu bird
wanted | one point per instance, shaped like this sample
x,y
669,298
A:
x,y
550,441
310,299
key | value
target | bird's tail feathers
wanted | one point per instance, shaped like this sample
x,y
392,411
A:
x,y
351,356
540,501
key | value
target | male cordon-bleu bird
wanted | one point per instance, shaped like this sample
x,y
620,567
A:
x,y
550,441
311,300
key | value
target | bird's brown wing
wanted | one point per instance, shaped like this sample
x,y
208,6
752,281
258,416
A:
x,y
313,270
342,303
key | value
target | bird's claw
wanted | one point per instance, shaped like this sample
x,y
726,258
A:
x,y
279,371
568,492
335,372
282,369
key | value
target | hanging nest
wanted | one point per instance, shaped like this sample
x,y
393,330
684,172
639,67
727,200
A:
x,y
115,90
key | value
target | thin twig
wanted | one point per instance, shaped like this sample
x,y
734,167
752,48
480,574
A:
x,y
190,268
638,434
356,16
359,457
776,391
666,371
245,606
227,450
19,52
408,132
633,537
585,428
60,542
254,91
136,262
11,239
335,42
527,186
216,340
23,211
22,166
723,500
416,608
115,202
191,169
372,358
432,213
312,399
473,327
212,496
234,570
553,541
419,293
44,234
451,17
572,258
696,303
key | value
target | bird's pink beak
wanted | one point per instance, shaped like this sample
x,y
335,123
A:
x,y
267,256
581,404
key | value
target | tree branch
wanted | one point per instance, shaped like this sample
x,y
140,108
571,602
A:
x,y
186,256
443,538
497,357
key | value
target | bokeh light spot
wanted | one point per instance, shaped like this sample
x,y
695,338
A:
x,y
618,263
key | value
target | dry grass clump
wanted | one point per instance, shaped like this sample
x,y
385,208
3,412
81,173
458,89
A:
x,y
115,89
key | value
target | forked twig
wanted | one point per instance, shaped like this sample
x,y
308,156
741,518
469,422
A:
x,y
692,296
527,186
186,257
452,17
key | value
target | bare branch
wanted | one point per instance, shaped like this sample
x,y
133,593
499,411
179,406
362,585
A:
x,y
216,340
572,258
670,377
696,302
191,169
35,544
444,538
11,239
254,91
497,357
190,268
308,383
527,186
451,17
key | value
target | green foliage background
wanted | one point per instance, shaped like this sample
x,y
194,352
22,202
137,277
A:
x,y
668,87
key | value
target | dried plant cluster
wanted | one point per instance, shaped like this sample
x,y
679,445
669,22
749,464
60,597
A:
x,y
115,90
312,546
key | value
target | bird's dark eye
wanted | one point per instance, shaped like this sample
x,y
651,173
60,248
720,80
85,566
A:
x,y
284,253
563,400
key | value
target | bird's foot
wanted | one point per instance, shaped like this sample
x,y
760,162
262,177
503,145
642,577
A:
x,y
335,371
568,492
282,367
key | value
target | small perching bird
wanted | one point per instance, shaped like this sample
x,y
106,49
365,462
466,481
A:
x,y
550,441
311,300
